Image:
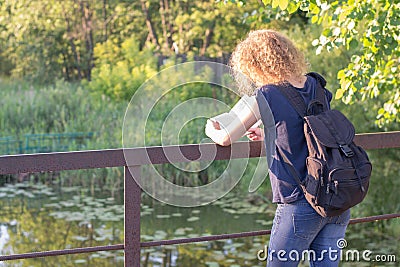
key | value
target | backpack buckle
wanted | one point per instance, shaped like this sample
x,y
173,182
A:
x,y
346,150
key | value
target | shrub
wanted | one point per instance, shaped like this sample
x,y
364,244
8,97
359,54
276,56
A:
x,y
121,69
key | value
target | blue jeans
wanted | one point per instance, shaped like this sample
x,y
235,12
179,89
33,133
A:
x,y
300,233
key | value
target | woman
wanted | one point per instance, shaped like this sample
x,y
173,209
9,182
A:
x,y
270,60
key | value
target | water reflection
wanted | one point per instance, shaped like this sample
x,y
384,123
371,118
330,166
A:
x,y
4,237
47,218
36,217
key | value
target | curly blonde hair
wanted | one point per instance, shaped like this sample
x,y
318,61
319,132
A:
x,y
265,57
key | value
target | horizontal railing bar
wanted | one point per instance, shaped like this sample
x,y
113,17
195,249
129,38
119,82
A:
x,y
172,241
375,218
252,233
51,253
203,238
76,160
378,140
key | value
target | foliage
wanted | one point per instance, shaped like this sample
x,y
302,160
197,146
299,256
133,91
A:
x,y
121,70
371,30
50,39
65,39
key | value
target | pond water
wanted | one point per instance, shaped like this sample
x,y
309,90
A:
x,y
36,217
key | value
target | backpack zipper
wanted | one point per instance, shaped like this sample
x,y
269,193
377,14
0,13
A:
x,y
336,186
321,178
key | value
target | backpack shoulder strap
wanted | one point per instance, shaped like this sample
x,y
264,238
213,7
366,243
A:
x,y
294,99
320,90
297,101
318,77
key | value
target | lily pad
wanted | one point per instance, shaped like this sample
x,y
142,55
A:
x,y
192,219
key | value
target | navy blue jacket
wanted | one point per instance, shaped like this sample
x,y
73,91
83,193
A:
x,y
290,139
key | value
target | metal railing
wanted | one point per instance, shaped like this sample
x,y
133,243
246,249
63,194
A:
x,y
132,193
44,143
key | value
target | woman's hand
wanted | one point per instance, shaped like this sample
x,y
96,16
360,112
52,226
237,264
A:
x,y
255,134
215,124
219,136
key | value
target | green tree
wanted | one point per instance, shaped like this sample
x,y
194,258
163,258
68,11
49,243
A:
x,y
48,39
202,28
370,29
121,69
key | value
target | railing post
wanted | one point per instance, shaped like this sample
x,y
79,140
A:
x,y
132,199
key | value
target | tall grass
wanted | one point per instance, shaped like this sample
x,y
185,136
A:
x,y
64,108
59,108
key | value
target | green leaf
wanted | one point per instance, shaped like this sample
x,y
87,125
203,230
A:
x,y
366,42
292,7
394,22
339,93
374,49
314,19
341,74
345,85
327,32
266,2
283,4
353,44
275,3
314,9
